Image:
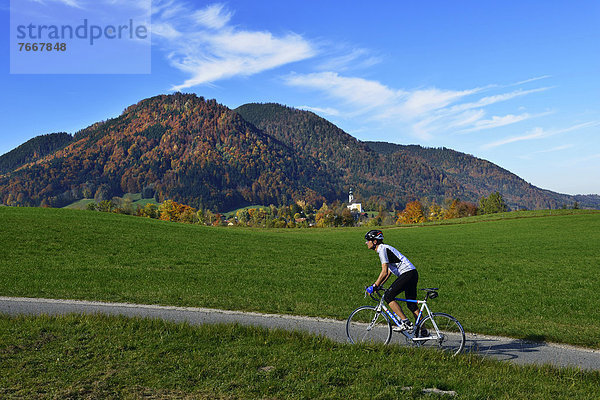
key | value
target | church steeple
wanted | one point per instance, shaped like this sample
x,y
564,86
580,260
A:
x,y
352,204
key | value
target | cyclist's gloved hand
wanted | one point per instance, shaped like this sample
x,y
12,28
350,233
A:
x,y
371,289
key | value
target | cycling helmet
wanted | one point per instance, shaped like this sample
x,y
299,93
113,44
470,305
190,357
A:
x,y
374,235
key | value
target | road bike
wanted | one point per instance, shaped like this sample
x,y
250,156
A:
x,y
373,324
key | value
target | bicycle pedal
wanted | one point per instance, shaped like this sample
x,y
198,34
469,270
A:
x,y
404,326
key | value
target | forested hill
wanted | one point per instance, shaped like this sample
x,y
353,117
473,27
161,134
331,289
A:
x,y
390,181
382,172
182,147
198,152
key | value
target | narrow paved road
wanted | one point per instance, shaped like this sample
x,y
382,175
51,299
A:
x,y
517,351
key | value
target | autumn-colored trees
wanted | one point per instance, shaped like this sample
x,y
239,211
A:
x,y
416,213
412,214
460,209
172,211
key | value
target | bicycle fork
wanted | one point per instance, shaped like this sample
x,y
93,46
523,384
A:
x,y
375,317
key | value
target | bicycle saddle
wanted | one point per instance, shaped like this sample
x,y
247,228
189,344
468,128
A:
x,y
431,292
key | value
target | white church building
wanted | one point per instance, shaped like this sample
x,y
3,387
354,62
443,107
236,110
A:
x,y
353,205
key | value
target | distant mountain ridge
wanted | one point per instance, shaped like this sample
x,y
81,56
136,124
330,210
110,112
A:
x,y
383,171
204,154
483,177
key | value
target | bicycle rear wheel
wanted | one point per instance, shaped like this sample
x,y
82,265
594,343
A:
x,y
449,335
367,325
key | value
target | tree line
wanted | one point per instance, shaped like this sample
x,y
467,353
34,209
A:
x,y
303,215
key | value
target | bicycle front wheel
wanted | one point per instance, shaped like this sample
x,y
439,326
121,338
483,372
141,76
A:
x,y
367,325
441,331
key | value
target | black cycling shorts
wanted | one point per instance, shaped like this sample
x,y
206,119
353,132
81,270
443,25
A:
x,y
407,283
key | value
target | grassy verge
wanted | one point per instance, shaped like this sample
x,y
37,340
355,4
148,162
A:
x,y
508,215
534,278
110,357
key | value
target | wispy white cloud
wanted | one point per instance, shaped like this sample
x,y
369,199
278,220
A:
x,y
349,59
366,95
552,150
536,133
203,44
70,3
236,54
214,16
426,111
324,111
498,121
469,116
530,80
166,31
361,94
540,133
489,100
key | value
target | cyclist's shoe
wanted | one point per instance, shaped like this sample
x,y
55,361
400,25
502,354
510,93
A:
x,y
405,325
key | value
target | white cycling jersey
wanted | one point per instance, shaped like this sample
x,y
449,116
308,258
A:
x,y
398,263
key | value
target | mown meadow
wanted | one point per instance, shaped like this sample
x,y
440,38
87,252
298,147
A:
x,y
99,357
533,278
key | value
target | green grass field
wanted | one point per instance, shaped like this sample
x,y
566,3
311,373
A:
x,y
534,278
97,357
135,198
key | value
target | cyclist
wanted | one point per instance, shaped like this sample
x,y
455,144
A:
x,y
393,262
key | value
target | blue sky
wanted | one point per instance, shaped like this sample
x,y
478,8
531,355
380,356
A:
x,y
516,83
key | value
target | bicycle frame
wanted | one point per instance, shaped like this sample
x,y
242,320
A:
x,y
410,334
